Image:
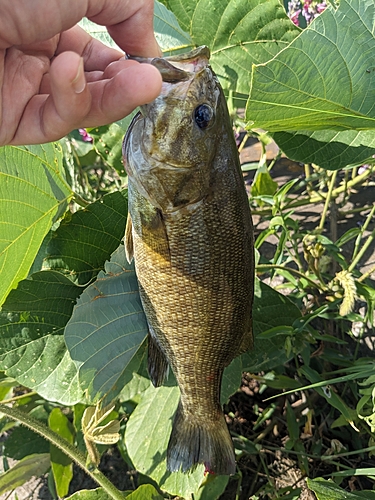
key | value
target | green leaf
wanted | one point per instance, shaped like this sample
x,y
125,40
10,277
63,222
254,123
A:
x,y
62,465
324,79
239,34
231,379
25,469
97,494
107,327
263,183
108,139
170,37
147,438
330,395
23,442
325,490
329,149
145,492
32,348
84,240
212,488
271,309
136,385
33,194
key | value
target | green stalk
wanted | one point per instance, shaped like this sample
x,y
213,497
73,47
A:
x,y
266,267
340,189
328,200
69,450
360,254
363,229
17,398
366,275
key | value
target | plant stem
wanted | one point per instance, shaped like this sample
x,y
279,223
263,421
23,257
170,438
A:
x,y
266,267
366,275
80,201
359,237
360,254
340,189
17,398
69,450
328,200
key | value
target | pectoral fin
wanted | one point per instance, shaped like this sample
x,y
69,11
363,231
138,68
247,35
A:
x,y
129,251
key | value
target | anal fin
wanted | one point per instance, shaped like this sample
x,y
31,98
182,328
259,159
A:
x,y
157,362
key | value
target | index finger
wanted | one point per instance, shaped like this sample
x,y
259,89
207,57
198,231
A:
x,y
129,22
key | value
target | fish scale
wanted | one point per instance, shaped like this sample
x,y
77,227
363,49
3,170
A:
x,y
190,233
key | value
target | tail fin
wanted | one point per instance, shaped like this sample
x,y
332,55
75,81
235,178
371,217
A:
x,y
207,443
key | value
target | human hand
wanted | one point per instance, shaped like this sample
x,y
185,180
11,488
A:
x,y
54,77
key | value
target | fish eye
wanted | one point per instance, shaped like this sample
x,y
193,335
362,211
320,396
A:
x,y
203,114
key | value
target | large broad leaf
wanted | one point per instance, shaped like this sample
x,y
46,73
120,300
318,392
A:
x,y
106,329
329,149
212,488
84,240
239,34
25,469
32,348
145,492
23,442
33,193
62,465
146,438
168,33
325,490
324,79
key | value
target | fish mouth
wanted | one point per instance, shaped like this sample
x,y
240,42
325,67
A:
x,y
178,68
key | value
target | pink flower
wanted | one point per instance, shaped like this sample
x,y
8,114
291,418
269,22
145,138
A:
x,y
85,135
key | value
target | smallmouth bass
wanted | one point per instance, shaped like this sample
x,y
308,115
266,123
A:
x,y
190,233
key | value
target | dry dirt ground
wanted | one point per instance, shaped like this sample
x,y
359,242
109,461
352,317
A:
x,y
242,403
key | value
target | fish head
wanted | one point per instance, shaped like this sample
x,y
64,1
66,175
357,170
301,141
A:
x,y
181,126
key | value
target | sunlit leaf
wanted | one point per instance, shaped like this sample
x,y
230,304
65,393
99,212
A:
x,y
147,439
169,35
32,348
25,469
212,488
33,194
324,79
145,492
62,465
325,490
239,34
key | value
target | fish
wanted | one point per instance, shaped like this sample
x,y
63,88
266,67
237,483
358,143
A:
x,y
190,233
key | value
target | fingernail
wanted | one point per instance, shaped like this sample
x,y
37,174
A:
x,y
79,82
